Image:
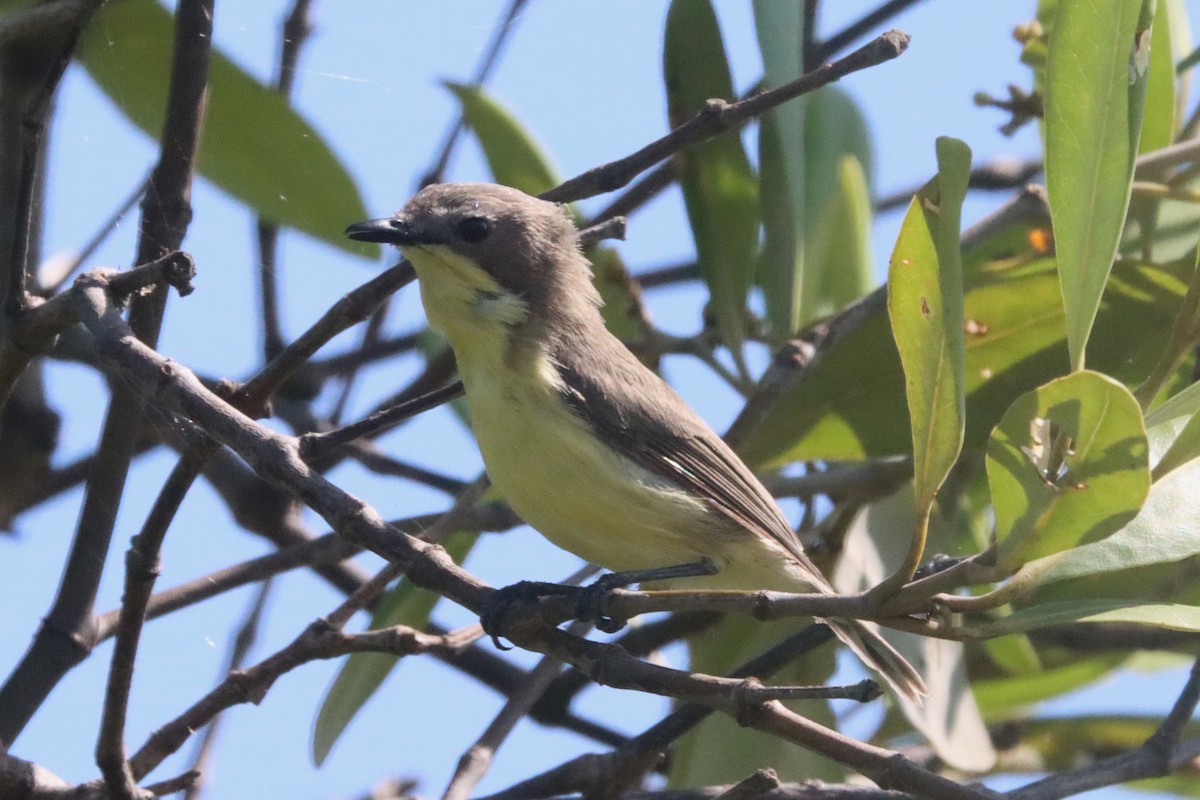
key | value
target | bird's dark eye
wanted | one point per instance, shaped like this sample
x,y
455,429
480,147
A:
x,y
474,229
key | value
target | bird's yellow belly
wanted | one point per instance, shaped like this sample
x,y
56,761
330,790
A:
x,y
581,495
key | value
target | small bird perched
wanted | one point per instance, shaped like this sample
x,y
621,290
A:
x,y
587,444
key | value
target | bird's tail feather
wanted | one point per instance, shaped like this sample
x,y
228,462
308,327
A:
x,y
880,656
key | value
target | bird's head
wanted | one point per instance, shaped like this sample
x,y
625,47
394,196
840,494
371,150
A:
x,y
488,257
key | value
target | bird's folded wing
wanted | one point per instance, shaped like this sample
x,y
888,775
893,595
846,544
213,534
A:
x,y
632,413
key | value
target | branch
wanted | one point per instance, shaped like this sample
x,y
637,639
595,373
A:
x,y
318,641
34,57
175,389
872,19
1160,755
166,214
316,447
239,648
474,763
719,116
295,32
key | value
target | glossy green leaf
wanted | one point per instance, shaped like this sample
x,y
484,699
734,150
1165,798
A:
x,y
1095,87
848,403
1159,117
514,157
719,187
925,305
1164,530
1174,617
999,698
363,673
1067,465
255,146
779,28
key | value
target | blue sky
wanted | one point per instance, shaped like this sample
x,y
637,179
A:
x,y
585,77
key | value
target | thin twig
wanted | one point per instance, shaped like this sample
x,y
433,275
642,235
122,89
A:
x,y
584,775
474,763
318,641
719,116
166,214
239,648
317,446
859,28
102,233
491,55
64,639
36,79
296,28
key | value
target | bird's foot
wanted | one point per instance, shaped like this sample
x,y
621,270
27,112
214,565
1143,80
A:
x,y
494,616
593,601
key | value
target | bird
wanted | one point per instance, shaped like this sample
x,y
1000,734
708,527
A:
x,y
588,445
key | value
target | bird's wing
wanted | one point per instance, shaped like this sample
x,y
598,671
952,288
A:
x,y
641,416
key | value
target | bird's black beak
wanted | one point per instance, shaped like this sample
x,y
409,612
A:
x,y
394,230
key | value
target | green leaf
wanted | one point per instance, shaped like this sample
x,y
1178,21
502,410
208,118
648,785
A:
x,y
514,157
1158,123
816,234
255,146
363,673
1095,87
1174,617
780,29
1164,530
1063,743
1068,464
719,187
837,205
925,304
848,402
1185,448
999,698
781,267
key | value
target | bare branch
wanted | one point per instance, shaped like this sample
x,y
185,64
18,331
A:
x,y
719,116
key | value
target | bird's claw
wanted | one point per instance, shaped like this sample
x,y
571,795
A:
x,y
494,616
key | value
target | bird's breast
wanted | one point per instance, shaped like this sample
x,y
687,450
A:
x,y
573,488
